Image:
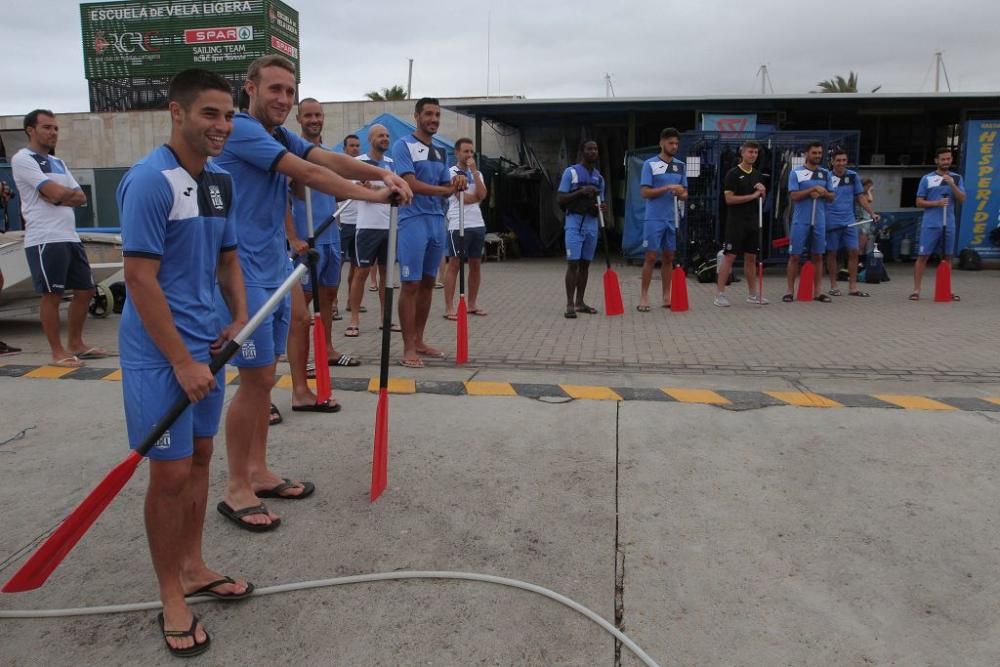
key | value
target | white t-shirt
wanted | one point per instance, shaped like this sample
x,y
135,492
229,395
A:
x,y
473,214
369,214
44,222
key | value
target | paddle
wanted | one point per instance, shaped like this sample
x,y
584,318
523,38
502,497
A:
x,y
760,250
942,277
807,277
462,319
36,570
612,288
678,279
321,357
380,455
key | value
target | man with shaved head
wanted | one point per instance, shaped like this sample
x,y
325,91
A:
x,y
371,239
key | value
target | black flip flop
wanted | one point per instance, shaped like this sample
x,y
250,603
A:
x,y
325,407
822,298
275,492
570,313
858,293
207,591
589,310
788,298
191,651
236,517
274,417
642,309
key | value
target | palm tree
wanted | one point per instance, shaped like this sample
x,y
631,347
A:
x,y
387,94
840,85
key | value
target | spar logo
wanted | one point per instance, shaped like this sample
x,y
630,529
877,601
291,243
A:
x,y
242,33
284,47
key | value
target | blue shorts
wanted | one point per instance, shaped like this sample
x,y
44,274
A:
x,y
930,241
419,247
659,236
370,246
347,233
56,267
327,269
841,238
581,242
149,392
475,238
800,240
264,346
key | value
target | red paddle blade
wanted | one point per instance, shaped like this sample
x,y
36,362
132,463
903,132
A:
x,y
612,294
47,557
783,242
942,282
322,360
806,279
678,291
462,338
380,455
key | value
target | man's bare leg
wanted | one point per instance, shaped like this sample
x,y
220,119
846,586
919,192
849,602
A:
x,y
425,294
354,295
49,315
724,270
792,272
327,297
831,268
408,296
667,275
298,349
167,513
918,272
817,261
648,264
450,278
475,279
750,273
582,276
852,270
246,438
78,309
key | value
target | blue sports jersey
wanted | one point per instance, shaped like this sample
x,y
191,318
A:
x,y
323,207
430,165
251,155
185,223
574,178
655,174
804,178
932,188
840,212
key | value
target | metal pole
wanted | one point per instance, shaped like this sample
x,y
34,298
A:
x,y
937,71
409,80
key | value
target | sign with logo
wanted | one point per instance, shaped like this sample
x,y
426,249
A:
x,y
729,124
981,210
147,38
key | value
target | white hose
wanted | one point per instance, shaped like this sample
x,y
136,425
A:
x,y
356,579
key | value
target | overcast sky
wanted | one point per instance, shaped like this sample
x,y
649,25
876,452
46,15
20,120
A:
x,y
563,49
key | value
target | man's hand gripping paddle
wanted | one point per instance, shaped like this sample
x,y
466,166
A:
x,y
36,570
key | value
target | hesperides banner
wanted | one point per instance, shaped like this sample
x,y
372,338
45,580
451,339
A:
x,y
981,211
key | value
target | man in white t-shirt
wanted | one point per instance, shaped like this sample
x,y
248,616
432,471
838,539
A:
x,y
475,230
347,223
55,254
371,238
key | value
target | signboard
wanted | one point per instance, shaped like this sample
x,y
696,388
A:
x,y
146,38
981,210
729,123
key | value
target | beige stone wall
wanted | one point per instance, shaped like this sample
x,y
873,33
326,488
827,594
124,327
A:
x,y
94,140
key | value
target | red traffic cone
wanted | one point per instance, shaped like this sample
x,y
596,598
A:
x,y
678,291
806,279
942,282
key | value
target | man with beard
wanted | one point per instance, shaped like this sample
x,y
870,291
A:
x,y
937,194
806,186
841,232
262,155
662,184
579,189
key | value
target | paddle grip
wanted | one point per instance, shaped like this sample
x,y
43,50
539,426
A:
x,y
390,279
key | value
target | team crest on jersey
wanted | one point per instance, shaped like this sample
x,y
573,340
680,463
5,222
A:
x,y
164,441
249,350
216,195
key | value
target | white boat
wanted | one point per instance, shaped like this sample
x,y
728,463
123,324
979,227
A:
x,y
104,251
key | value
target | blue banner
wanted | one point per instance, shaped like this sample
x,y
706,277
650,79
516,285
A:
x,y
981,211
729,123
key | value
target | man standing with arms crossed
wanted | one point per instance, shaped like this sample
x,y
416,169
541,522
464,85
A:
x,y
371,239
841,233
743,187
663,182
348,224
56,257
807,185
262,156
420,249
179,238
937,194
579,189
475,230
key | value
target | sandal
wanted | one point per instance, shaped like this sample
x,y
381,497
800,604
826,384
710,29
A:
x,y
344,360
570,313
584,308
914,296
835,292
352,332
190,651
858,292
411,363
478,312
788,298
276,491
955,297
325,407
236,516
642,308
274,417
823,298
451,316
207,591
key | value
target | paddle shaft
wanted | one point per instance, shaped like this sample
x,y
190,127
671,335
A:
x,y
760,251
461,243
390,279
604,232
218,361
313,265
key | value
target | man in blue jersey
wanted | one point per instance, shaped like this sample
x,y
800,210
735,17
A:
x,y
178,238
420,246
810,187
841,233
475,231
663,182
262,155
938,194
579,189
371,237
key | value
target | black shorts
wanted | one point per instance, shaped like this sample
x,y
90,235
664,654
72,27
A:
x,y
741,237
371,245
347,233
56,267
475,238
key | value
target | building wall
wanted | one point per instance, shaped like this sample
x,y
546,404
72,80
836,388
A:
x,y
119,139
